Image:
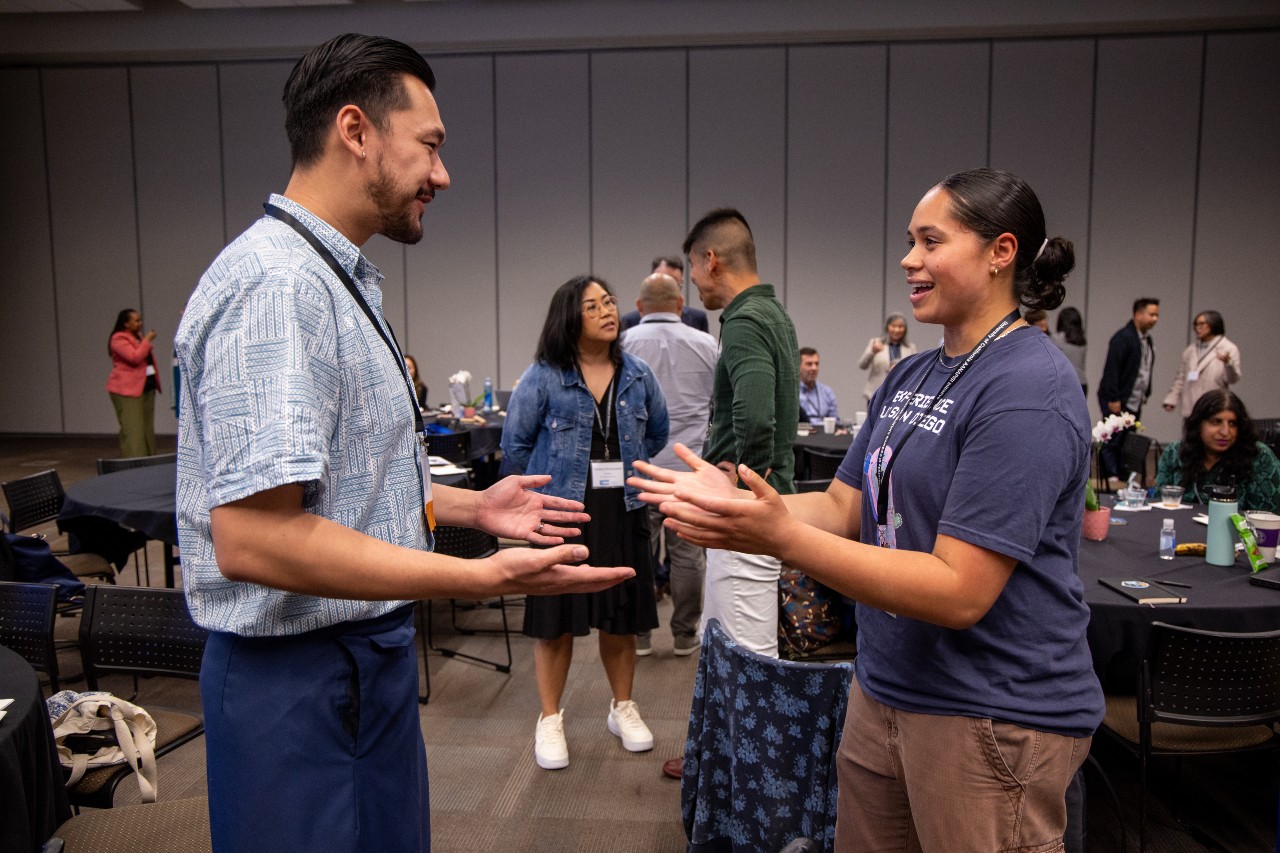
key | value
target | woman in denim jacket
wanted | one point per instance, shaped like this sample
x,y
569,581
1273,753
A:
x,y
584,412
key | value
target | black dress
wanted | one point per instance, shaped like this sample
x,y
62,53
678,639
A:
x,y
615,537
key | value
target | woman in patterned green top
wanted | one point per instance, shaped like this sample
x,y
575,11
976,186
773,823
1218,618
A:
x,y
1220,445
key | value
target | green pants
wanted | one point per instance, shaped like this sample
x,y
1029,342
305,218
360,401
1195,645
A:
x,y
137,423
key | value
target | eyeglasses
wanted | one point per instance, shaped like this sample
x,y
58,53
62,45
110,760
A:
x,y
592,309
1200,323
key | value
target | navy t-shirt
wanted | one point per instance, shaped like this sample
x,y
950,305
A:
x,y
1000,463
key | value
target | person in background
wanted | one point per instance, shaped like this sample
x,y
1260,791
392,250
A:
x,y
673,266
1211,361
975,698
1071,340
585,412
684,362
1038,318
1220,445
817,401
884,352
419,387
133,384
1126,379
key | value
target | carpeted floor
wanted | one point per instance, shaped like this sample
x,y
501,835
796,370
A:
x,y
488,795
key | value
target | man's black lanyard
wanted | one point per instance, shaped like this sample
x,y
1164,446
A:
x,y
882,470
392,344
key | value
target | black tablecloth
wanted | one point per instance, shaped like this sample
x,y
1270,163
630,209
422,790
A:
x,y
141,498
1220,598
33,801
819,442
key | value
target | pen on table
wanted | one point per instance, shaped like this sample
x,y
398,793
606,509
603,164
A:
x,y
1169,583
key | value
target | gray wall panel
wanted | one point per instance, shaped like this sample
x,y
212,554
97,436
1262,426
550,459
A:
x,y
452,301
937,126
28,348
1236,253
255,149
1042,131
1144,200
637,166
835,208
737,145
179,179
95,234
544,203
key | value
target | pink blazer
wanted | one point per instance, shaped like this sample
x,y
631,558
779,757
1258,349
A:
x,y
129,359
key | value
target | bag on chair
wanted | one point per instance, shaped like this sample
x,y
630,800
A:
x,y
33,562
94,730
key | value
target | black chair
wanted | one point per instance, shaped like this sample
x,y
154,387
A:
x,y
1134,449
164,827
26,625
110,466
138,631
1268,432
37,499
1199,693
453,446
821,466
467,544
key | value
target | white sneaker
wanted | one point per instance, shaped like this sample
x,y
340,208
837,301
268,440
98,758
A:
x,y
625,722
549,746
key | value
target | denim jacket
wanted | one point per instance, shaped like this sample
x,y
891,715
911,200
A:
x,y
549,420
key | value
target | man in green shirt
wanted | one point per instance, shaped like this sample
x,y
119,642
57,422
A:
x,y
754,412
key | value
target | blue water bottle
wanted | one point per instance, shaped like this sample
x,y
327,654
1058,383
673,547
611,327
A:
x,y
1220,542
488,394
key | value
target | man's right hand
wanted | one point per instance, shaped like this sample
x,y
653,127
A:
x,y
1114,408
538,571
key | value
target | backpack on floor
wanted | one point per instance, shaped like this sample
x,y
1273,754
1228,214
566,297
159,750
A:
x,y
94,730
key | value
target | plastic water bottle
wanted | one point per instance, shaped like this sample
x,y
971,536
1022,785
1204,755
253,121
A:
x,y
1220,544
1168,540
488,394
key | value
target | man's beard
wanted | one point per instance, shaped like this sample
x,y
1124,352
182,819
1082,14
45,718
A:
x,y
397,219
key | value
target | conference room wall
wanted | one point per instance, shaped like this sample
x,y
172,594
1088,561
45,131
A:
x,y
1143,158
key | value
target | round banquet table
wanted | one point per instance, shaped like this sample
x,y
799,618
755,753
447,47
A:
x,y
1220,598
33,801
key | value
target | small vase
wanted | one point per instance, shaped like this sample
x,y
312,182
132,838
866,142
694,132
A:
x,y
1097,522
469,412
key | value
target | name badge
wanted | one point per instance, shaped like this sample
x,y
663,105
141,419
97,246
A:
x,y
607,475
1193,375
424,468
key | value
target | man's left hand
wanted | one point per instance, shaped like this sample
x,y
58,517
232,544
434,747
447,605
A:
x,y
509,508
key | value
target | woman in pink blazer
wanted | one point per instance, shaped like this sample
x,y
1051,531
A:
x,y
133,384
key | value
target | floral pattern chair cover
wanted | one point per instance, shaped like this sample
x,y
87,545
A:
x,y
759,762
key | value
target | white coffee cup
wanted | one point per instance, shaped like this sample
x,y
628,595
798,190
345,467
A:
x,y
829,426
1266,526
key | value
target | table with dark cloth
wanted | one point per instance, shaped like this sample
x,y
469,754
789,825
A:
x,y
33,801
1220,598
486,439
819,442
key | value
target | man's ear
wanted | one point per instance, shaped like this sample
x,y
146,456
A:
x,y
352,126
680,303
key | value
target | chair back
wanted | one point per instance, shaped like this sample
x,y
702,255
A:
x,y
759,765
26,625
1268,432
1210,678
822,466
138,631
1134,449
33,500
110,466
466,543
454,446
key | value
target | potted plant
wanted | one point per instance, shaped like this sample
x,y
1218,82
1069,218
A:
x,y
1097,519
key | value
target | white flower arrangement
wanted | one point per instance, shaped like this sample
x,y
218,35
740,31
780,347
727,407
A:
x,y
1112,425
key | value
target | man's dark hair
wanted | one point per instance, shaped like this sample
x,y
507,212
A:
x,y
558,343
1142,302
348,69
807,351
670,260
725,231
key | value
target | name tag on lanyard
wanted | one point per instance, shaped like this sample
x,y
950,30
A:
x,y
607,474
424,469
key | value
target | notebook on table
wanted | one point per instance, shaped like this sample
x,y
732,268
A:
x,y
1144,591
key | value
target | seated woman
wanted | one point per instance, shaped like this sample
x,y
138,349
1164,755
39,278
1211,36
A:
x,y
1219,444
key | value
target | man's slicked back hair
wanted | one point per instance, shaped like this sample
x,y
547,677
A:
x,y
725,231
347,69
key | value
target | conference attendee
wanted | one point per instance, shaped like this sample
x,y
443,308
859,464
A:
x,y
817,401
133,383
673,266
883,352
1210,362
585,412
1126,379
1039,318
304,498
971,616
1069,337
1220,446
684,362
419,387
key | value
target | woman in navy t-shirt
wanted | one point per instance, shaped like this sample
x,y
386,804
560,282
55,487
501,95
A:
x,y
954,522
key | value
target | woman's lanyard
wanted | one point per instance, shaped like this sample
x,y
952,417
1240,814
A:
x,y
606,423
895,353
882,470
1209,350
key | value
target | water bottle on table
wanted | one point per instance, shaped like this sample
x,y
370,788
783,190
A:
x,y
488,394
1220,544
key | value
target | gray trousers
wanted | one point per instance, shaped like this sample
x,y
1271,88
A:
x,y
688,568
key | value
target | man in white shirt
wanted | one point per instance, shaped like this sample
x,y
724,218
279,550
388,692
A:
x,y
684,361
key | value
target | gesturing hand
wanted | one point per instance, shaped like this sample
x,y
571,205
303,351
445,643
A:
x,y
509,508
